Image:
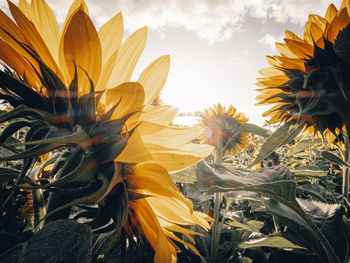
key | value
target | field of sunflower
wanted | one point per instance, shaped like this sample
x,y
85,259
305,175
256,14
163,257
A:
x,y
93,169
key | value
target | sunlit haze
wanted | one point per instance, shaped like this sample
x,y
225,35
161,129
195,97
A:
x,y
216,47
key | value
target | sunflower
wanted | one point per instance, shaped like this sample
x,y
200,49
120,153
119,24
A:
x,y
73,89
221,127
309,82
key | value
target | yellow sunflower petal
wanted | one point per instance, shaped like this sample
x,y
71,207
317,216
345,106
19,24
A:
x,y
33,38
174,210
107,69
273,81
289,63
129,53
82,45
153,78
111,35
129,95
284,50
75,6
338,23
180,136
24,7
331,13
300,49
153,179
135,150
16,62
162,115
164,250
45,22
181,157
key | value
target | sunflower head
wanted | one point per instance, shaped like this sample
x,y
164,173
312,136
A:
x,y
309,81
107,139
221,127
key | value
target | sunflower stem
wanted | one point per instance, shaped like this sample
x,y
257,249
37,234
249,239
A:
x,y
346,170
218,197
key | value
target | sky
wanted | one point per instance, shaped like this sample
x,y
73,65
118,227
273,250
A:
x,y
216,47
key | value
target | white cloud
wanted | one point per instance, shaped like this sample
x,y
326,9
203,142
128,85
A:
x,y
295,11
213,20
270,40
235,62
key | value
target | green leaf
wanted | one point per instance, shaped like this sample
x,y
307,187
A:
x,y
309,171
252,226
270,241
281,136
185,176
255,129
304,144
283,194
334,159
318,191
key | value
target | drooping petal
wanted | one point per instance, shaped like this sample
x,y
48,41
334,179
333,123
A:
x,y
82,46
153,78
129,53
164,251
154,180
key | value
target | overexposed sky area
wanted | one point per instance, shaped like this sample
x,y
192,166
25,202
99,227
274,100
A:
x,y
216,46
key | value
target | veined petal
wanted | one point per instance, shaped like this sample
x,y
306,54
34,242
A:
x,y
111,35
153,179
181,157
17,63
135,151
273,81
33,38
270,72
292,36
175,211
82,45
107,69
45,22
162,115
331,13
300,49
164,251
345,4
284,50
153,78
289,63
129,53
129,95
75,6
179,136
25,8
338,23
